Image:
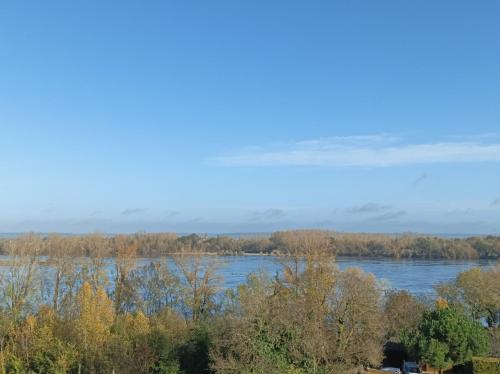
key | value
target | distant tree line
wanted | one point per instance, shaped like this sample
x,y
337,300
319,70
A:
x,y
65,307
279,243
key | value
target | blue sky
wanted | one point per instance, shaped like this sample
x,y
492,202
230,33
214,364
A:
x,y
231,116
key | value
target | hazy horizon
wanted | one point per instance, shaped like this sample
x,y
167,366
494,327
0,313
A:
x,y
238,235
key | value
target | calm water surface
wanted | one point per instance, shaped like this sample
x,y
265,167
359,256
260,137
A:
x,y
417,276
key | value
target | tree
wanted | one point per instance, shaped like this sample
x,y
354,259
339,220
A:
x,y
169,332
128,349
62,279
125,256
156,287
477,292
19,284
326,321
298,246
402,311
96,248
445,337
200,282
35,342
358,319
92,326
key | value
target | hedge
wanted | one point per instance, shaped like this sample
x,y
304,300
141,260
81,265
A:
x,y
485,365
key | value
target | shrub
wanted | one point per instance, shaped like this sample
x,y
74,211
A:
x,y
14,365
484,365
446,337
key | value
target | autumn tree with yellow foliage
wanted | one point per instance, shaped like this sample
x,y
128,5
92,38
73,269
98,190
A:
x,y
68,308
94,316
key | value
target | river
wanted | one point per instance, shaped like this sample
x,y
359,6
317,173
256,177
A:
x,y
416,276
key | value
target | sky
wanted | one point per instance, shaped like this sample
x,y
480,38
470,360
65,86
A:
x,y
250,116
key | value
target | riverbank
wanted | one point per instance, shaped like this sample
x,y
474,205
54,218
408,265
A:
x,y
404,246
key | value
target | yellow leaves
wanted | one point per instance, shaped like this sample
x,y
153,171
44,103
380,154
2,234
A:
x,y
441,303
480,287
36,337
133,326
95,315
293,370
30,323
104,306
141,323
94,307
171,323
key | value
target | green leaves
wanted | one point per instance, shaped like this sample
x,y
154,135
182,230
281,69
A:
x,y
435,353
446,337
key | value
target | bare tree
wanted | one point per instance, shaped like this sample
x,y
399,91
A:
x,y
21,280
200,281
300,249
96,249
62,273
156,286
125,253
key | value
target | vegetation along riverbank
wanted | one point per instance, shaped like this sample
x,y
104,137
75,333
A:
x,y
66,314
278,243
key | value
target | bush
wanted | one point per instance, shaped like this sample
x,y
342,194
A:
x,y
484,365
194,354
14,365
495,342
446,337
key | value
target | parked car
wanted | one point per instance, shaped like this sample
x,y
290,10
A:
x,y
410,367
391,370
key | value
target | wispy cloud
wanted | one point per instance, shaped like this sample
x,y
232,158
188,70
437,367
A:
x,y
474,137
369,208
133,211
268,214
466,212
172,214
371,151
420,179
389,216
495,203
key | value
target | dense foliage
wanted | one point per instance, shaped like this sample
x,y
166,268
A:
x,y
446,337
477,292
61,312
483,365
340,244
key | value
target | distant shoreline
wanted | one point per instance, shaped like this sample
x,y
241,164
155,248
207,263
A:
x,y
280,243
253,235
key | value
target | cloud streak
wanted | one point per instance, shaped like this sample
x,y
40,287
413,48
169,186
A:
x,y
133,211
369,208
269,214
389,216
420,179
367,151
495,203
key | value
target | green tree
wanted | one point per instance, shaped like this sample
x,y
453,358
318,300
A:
x,y
445,337
128,347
